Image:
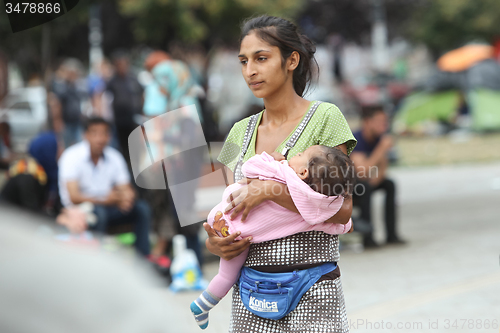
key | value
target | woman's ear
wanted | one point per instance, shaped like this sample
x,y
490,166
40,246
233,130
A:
x,y
293,60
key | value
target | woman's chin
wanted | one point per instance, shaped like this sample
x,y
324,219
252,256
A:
x,y
259,94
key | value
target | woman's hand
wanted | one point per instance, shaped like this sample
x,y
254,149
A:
x,y
277,156
352,227
225,247
344,213
247,197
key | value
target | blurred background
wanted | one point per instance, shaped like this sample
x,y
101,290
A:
x,y
418,80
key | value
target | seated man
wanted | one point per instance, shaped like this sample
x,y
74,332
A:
x,y
371,161
90,171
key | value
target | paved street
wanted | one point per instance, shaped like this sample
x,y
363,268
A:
x,y
447,279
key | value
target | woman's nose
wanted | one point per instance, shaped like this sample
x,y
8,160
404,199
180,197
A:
x,y
250,69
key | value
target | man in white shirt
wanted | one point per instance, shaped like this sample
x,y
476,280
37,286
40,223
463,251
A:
x,y
91,171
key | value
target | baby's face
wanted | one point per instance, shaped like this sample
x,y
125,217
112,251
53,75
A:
x,y
299,163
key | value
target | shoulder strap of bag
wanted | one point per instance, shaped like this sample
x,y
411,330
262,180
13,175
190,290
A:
x,y
289,145
246,141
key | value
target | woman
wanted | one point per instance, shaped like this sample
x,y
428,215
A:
x,y
276,62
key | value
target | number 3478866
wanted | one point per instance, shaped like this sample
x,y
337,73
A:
x,y
33,8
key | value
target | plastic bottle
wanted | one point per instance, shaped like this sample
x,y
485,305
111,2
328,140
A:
x,y
185,269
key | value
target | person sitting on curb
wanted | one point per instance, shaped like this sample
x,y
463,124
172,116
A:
x,y
371,161
91,171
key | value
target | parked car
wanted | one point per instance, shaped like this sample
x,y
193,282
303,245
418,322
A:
x,y
25,109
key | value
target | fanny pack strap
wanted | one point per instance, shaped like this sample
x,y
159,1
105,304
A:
x,y
325,268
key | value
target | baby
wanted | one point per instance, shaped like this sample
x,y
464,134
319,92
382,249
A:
x,y
318,179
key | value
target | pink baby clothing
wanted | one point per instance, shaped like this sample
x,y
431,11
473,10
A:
x,y
269,220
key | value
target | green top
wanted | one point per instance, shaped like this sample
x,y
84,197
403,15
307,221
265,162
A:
x,y
326,127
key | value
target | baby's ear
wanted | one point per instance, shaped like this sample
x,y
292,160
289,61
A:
x,y
303,173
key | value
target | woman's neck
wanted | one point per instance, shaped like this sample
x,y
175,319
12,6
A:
x,y
283,107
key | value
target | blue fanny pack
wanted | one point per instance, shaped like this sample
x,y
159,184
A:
x,y
274,295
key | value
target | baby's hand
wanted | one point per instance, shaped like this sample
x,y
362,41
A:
x,y
277,156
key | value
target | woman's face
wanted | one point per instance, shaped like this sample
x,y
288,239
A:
x,y
261,66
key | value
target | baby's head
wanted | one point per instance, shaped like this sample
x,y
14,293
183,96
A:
x,y
325,169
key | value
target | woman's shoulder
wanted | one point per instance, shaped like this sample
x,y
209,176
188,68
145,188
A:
x,y
328,109
233,143
239,127
332,128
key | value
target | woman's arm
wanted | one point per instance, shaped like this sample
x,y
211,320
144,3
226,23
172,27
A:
x,y
244,199
252,195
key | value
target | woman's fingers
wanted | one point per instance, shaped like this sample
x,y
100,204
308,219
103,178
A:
x,y
237,211
229,207
229,239
245,208
210,231
235,198
213,242
245,180
235,249
225,247
245,199
233,195
245,214
231,199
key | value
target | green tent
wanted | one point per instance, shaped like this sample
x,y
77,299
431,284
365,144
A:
x,y
485,109
423,106
419,107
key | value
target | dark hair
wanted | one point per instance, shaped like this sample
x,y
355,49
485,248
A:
x,y
286,36
370,110
95,121
331,173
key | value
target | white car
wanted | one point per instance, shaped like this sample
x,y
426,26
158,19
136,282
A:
x,y
25,109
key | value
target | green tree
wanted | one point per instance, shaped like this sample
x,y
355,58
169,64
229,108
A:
x,y
443,25
157,22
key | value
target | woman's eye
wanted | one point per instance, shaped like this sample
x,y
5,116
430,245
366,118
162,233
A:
x,y
243,62
262,58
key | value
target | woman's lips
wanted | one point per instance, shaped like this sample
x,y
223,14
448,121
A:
x,y
257,84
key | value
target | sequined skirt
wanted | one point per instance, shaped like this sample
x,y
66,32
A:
x,y
321,308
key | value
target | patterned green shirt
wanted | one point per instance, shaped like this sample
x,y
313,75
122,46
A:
x,y
326,127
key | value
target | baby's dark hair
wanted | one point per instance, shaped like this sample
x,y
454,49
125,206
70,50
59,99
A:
x,y
331,173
